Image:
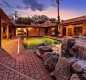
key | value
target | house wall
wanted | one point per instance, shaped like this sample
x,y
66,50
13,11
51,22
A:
x,y
36,31
42,31
32,31
84,28
68,27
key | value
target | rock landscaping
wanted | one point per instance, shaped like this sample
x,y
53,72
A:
x,y
62,67
50,59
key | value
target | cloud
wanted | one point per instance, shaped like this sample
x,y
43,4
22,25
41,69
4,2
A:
x,y
21,7
34,5
1,5
51,12
7,4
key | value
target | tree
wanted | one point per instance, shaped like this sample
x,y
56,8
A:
x,y
19,20
24,20
39,19
52,20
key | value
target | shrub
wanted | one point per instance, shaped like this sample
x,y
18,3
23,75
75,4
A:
x,y
48,42
55,42
25,45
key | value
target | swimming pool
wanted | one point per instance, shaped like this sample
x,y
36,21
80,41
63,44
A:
x,y
33,42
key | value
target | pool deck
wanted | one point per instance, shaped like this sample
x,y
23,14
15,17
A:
x,y
18,64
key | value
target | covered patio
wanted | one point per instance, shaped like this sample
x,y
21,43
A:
x,y
29,30
6,26
44,29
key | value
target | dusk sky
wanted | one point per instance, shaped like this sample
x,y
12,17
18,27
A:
x,y
68,8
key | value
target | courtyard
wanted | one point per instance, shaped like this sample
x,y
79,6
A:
x,y
42,40
22,66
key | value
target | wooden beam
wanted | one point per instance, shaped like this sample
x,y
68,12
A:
x,y
0,31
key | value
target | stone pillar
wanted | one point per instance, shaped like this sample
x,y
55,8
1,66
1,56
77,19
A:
x,y
7,31
27,31
0,31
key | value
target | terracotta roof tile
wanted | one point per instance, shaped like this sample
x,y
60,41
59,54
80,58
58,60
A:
x,y
77,19
4,16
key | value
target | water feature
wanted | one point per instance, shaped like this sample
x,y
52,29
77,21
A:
x,y
81,49
80,54
76,52
82,63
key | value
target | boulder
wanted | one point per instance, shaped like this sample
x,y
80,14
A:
x,y
77,68
71,42
84,75
46,55
50,59
67,47
38,53
52,74
44,49
42,44
62,69
74,77
64,45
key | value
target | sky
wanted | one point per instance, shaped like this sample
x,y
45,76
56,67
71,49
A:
x,y
68,8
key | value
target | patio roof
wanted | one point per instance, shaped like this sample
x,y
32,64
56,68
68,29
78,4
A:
x,y
5,17
74,20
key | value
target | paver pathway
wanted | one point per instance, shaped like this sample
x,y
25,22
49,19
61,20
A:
x,y
10,46
21,66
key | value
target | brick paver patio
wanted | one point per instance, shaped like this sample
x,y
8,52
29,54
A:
x,y
23,66
10,46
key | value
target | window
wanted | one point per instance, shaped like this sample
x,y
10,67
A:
x,y
77,30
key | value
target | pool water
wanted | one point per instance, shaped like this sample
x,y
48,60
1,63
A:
x,y
33,42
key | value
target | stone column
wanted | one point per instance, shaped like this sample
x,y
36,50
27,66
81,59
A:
x,y
7,31
0,31
27,31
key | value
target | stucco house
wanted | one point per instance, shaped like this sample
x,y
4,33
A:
x,y
73,26
9,29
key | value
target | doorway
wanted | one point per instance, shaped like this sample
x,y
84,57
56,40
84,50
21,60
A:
x,y
64,31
